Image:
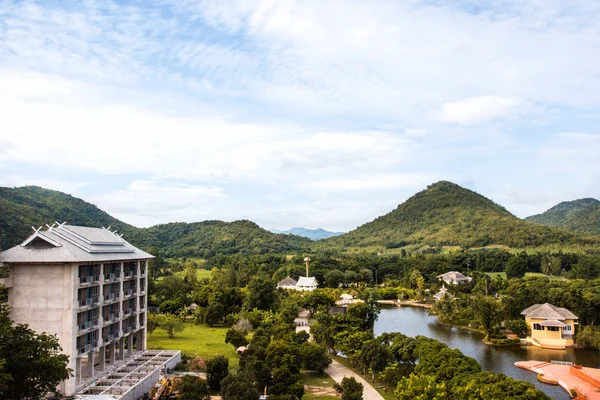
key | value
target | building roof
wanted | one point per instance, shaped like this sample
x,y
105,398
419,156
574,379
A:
x,y
548,311
443,291
307,281
454,276
68,243
287,282
552,322
346,296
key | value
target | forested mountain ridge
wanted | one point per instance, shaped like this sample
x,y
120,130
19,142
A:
x,y
209,238
24,207
581,215
447,214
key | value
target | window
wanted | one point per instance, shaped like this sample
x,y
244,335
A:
x,y
553,328
537,327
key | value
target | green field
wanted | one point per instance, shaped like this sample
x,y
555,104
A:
x,y
527,274
200,273
196,340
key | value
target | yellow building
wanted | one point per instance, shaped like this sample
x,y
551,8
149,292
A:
x,y
550,326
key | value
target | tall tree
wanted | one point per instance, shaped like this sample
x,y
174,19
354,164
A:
x,y
30,363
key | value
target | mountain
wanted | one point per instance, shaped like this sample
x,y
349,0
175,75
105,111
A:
x,y
24,207
314,234
447,214
581,215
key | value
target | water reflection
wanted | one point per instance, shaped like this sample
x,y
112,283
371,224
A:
x,y
413,321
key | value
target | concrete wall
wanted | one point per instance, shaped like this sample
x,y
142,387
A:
x,y
42,297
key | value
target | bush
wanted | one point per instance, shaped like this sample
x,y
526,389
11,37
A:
x,y
350,389
217,369
171,325
193,388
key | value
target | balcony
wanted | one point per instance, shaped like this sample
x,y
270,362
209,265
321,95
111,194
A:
x,y
126,330
87,348
111,277
107,339
111,297
88,324
130,275
110,318
89,302
128,293
127,312
88,280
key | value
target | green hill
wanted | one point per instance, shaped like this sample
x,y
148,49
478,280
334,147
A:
x,y
581,215
448,215
24,207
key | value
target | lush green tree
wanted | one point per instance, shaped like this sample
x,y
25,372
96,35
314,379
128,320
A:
x,y
517,326
193,388
517,266
152,322
214,313
314,357
350,389
217,369
173,307
586,268
365,275
374,357
334,278
236,338
420,387
350,277
319,299
366,312
262,293
171,325
350,342
31,364
490,386
190,276
589,337
238,386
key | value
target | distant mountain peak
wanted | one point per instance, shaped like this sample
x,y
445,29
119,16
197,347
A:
x,y
314,234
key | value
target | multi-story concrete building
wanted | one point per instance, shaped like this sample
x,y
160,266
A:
x,y
87,286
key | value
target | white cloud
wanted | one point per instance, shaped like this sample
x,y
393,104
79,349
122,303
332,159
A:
x,y
477,110
280,96
144,203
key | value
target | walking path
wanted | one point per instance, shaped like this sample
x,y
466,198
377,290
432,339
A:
x,y
337,372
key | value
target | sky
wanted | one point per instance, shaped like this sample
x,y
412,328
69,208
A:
x,y
313,113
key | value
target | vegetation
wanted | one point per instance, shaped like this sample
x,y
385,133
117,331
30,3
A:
x,y
581,215
196,340
193,388
217,369
446,214
350,389
34,206
30,363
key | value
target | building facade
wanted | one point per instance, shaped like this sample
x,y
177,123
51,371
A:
x,y
88,287
550,326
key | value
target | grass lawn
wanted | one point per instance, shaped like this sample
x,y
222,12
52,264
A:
x,y
389,395
196,340
312,378
200,273
527,274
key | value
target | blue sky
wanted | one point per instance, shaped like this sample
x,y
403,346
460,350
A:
x,y
323,113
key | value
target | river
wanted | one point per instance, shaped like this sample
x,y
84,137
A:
x,y
413,321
